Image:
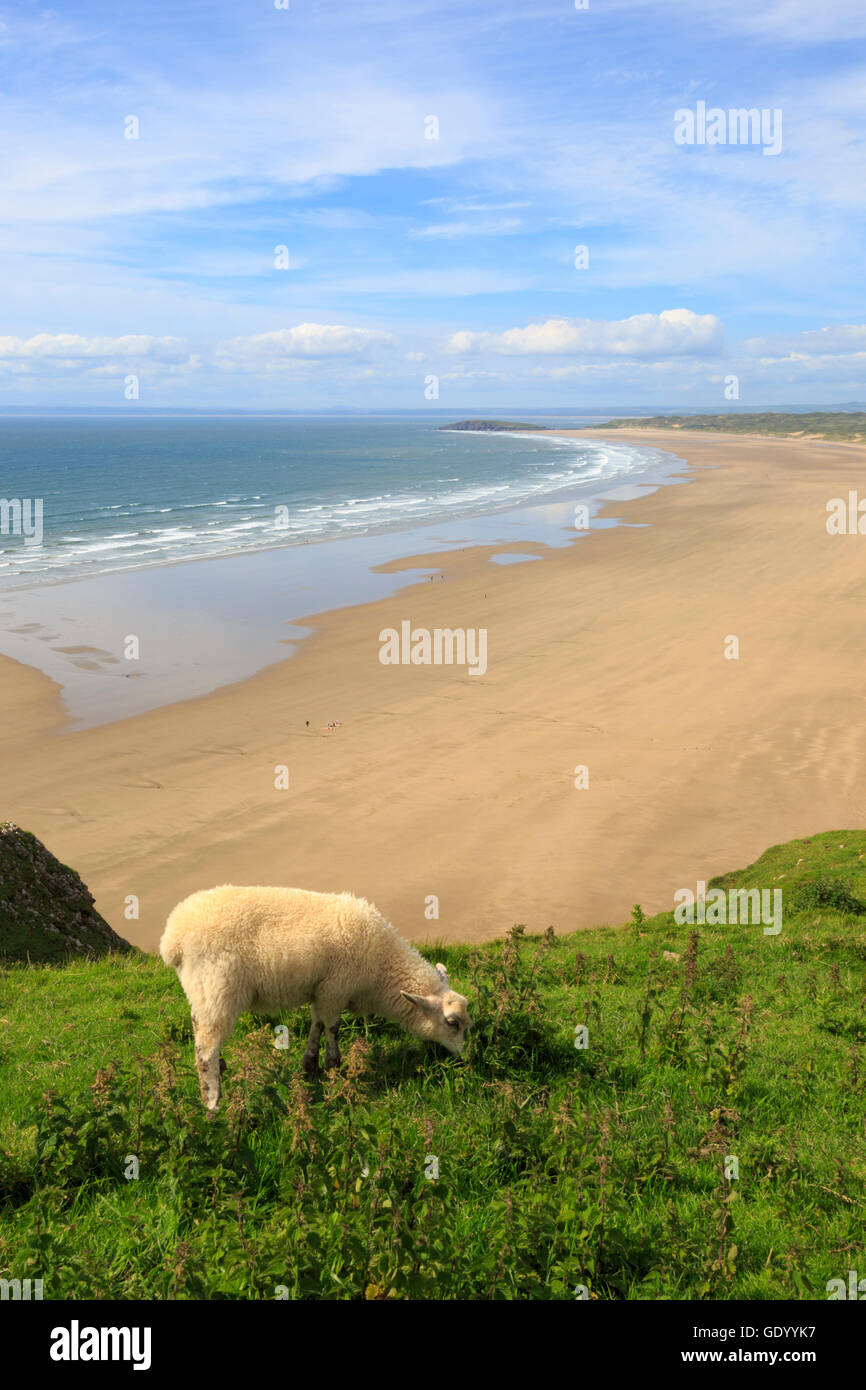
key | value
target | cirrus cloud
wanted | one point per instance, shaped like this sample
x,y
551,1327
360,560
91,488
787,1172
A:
x,y
499,226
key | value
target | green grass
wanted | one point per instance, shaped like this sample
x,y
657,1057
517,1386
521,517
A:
x,y
558,1167
828,424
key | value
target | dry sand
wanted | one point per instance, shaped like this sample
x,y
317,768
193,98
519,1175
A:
x,y
610,653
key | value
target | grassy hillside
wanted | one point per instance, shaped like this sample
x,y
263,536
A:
x,y
46,912
824,424
557,1167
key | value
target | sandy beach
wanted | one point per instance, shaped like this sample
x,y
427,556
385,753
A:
x,y
608,654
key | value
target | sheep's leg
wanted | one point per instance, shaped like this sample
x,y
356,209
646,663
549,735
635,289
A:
x,y
327,1007
311,1055
207,1059
332,1044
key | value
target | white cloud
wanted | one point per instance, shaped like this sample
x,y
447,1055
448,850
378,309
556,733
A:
x,y
841,339
450,282
451,204
500,226
196,152
305,341
792,21
800,20
73,348
674,333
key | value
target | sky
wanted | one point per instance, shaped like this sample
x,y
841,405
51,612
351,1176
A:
x,y
466,203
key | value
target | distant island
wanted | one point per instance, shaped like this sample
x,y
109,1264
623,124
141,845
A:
x,y
491,426
816,424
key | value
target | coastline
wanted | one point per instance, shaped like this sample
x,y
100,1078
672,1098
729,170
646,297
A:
x,y
205,621
427,477
609,654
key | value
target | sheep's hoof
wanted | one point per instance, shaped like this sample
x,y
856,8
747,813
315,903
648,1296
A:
x,y
310,1065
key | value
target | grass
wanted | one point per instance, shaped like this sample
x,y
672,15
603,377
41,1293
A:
x,y
824,424
608,1167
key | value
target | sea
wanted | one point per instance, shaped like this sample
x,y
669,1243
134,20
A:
x,y
181,553
122,493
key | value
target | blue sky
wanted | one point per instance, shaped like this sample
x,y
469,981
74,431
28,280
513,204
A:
x,y
412,258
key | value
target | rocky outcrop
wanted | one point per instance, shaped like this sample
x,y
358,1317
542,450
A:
x,y
492,426
46,912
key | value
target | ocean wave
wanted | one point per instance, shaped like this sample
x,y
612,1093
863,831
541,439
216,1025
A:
x,y
554,468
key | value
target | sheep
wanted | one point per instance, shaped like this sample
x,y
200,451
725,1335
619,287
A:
x,y
267,949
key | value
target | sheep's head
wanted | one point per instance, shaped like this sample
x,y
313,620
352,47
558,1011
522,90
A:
x,y
441,1017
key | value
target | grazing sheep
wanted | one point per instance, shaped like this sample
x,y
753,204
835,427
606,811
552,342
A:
x,y
267,949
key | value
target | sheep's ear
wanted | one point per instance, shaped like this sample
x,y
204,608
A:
x,y
443,974
421,1000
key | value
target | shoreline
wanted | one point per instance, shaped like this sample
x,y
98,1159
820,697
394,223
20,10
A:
x,y
405,525
205,622
607,655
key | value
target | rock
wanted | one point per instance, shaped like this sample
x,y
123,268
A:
x,y
493,426
46,912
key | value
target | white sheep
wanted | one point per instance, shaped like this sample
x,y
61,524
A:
x,y
267,949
